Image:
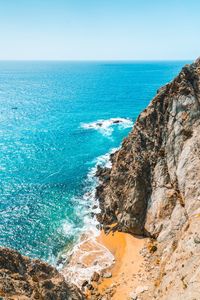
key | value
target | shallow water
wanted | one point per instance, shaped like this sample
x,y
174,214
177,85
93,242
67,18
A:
x,y
51,140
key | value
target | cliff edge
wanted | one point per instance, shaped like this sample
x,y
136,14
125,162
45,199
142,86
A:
x,y
22,278
153,187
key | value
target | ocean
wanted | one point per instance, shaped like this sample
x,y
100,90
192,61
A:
x,y
58,121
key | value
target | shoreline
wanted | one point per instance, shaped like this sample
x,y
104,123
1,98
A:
x,y
115,257
88,256
127,267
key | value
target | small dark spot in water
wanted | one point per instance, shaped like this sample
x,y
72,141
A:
x,y
117,121
14,107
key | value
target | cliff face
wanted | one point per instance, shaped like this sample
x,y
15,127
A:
x,y
153,187
23,278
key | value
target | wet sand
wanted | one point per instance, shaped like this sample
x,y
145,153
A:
x,y
88,256
116,253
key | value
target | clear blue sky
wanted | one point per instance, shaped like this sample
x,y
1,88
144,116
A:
x,y
99,29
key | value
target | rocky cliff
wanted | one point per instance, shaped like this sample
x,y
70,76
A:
x,y
22,278
153,187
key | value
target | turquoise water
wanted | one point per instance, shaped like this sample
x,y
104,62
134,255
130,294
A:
x,y
49,143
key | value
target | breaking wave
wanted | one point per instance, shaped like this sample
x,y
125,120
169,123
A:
x,y
106,127
87,255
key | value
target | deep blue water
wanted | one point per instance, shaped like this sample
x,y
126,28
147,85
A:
x,y
45,151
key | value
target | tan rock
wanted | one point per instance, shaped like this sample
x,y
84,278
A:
x,y
22,278
153,187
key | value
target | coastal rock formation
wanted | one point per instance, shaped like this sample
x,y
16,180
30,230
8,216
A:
x,y
23,278
153,187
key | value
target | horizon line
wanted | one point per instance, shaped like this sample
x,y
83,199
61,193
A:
x,y
96,60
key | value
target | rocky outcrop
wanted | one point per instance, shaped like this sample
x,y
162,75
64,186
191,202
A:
x,y
23,278
153,187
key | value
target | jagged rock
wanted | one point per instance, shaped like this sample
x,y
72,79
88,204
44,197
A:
x,y
90,287
153,187
22,278
95,277
85,283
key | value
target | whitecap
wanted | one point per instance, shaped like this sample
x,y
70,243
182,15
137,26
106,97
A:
x,y
106,127
67,228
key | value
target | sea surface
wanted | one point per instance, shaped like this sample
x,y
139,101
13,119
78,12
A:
x,y
58,121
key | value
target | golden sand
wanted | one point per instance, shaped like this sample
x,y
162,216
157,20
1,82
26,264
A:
x,y
92,252
126,250
88,256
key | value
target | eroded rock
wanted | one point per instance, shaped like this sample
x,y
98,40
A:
x,y
22,278
153,187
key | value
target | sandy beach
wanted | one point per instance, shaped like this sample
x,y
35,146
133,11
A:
x,y
115,254
128,263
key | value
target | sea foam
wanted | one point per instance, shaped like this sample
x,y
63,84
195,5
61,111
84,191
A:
x,y
106,127
87,255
